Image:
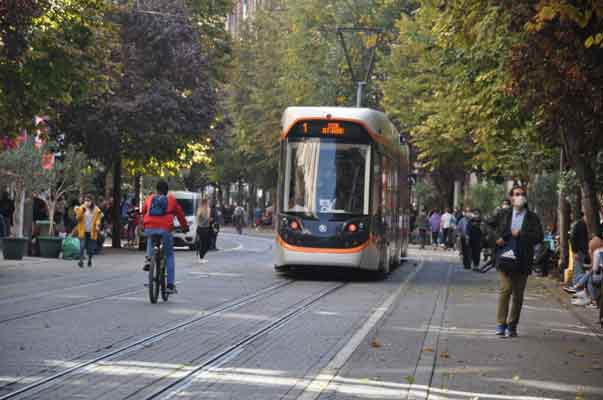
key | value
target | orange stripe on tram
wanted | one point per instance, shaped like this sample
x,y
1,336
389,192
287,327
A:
x,y
291,247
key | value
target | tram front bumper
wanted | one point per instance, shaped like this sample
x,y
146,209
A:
x,y
363,257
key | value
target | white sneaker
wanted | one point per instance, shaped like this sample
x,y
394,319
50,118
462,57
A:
x,y
581,301
202,261
579,295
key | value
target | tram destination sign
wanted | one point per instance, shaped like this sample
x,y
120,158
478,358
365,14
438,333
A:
x,y
342,130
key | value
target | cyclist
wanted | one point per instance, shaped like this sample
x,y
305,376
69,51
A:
x,y
159,211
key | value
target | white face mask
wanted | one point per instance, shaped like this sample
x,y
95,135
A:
x,y
519,201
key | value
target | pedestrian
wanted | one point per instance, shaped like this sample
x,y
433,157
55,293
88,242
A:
x,y
88,217
423,225
215,227
461,229
7,209
257,216
3,227
518,231
446,228
475,235
586,294
434,221
239,218
578,240
203,230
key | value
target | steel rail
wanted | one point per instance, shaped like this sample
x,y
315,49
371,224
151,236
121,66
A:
x,y
152,338
182,382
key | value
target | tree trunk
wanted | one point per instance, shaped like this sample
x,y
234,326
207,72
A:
x,y
252,201
563,226
51,210
227,194
575,145
137,189
19,215
586,175
116,240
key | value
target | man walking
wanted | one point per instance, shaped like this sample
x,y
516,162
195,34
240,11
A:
x,y
446,222
461,229
518,231
434,221
475,235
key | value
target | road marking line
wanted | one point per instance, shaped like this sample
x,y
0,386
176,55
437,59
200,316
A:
x,y
324,378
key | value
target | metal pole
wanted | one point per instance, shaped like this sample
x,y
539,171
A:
x,y
359,94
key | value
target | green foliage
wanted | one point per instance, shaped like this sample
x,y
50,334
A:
x,y
50,54
162,101
290,56
486,196
448,76
426,195
569,186
543,194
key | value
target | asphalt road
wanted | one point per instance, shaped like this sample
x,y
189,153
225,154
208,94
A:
x,y
238,330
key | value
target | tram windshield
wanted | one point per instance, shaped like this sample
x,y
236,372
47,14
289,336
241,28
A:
x,y
327,177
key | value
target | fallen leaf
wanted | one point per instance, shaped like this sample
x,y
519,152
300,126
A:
x,y
428,350
444,354
516,378
410,379
375,343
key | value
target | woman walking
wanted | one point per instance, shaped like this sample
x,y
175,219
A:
x,y
204,222
518,231
88,217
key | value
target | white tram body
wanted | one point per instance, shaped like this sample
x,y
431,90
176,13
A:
x,y
343,190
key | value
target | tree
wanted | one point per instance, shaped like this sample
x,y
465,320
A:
x,y
161,100
49,55
61,178
22,165
556,71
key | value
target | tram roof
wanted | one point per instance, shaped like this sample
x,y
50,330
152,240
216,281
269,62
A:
x,y
373,119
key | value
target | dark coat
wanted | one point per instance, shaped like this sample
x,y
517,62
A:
x,y
579,237
530,235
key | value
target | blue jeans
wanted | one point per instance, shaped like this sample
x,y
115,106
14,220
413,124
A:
x,y
579,258
168,248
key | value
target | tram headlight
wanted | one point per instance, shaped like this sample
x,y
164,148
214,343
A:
x,y
352,228
294,225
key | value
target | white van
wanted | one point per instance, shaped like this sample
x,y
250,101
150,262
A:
x,y
189,201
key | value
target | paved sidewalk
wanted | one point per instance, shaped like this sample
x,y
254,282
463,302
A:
x,y
439,343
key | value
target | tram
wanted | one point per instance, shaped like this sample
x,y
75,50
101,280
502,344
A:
x,y
343,190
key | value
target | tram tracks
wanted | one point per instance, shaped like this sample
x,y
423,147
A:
x,y
223,355
62,307
39,385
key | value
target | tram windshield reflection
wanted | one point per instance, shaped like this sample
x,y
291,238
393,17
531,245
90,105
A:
x,y
327,177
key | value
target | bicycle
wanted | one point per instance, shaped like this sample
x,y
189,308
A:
x,y
157,272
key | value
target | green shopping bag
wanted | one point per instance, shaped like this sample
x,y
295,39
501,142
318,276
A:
x,y
71,248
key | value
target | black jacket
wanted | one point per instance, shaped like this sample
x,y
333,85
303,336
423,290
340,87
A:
x,y
579,237
530,235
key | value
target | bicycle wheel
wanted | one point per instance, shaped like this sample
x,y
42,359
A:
x,y
163,279
153,281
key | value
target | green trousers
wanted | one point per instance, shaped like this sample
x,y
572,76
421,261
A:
x,y
511,286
